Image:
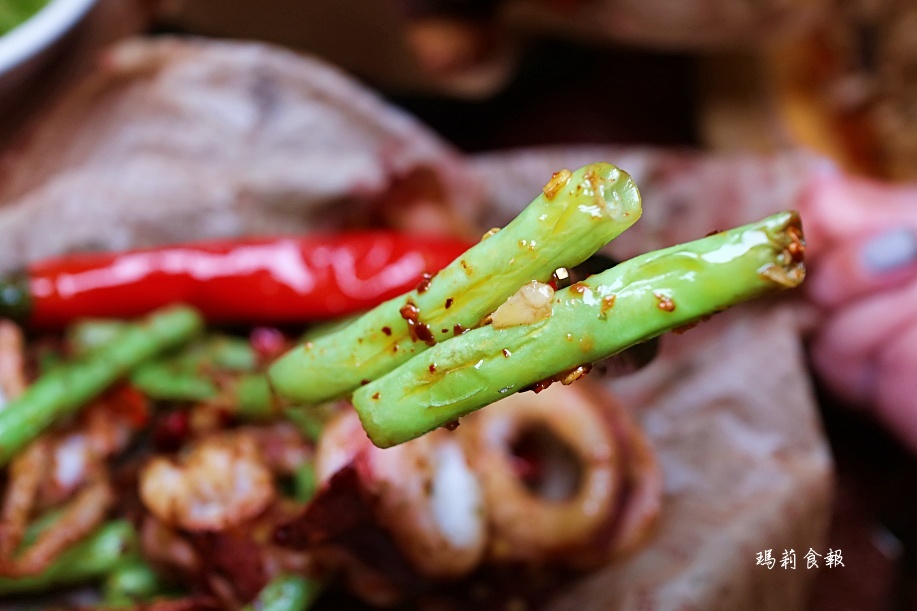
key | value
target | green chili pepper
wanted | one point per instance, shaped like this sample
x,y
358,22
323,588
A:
x,y
575,216
591,320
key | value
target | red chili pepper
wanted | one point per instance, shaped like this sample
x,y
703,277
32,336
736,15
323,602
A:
x,y
266,280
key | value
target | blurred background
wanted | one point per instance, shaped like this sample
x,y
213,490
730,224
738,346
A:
x,y
835,76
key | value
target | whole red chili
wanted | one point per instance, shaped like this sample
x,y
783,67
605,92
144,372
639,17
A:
x,y
265,280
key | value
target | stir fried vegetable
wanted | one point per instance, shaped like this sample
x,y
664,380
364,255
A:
x,y
92,558
286,593
574,216
255,504
587,321
69,387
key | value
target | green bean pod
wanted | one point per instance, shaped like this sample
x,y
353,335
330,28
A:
x,y
130,582
591,320
92,558
286,593
164,382
69,386
574,217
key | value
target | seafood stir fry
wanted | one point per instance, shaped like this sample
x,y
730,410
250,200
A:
x,y
181,465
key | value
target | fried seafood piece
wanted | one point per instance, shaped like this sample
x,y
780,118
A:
x,y
563,477
78,453
12,362
568,478
220,481
66,470
423,493
25,476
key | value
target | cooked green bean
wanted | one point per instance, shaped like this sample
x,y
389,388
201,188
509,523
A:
x,y
304,481
226,353
286,593
90,559
38,526
309,420
591,320
90,333
165,382
70,386
574,217
132,581
253,398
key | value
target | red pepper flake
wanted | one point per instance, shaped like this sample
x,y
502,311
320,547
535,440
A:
x,y
418,330
458,329
424,282
364,382
665,303
376,396
387,330
432,367
127,401
468,269
560,278
557,182
451,426
607,303
449,303
540,385
797,247
170,431
574,374
579,288
268,342
507,353
564,377
714,232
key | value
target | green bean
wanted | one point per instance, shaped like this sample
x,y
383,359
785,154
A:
x,y
253,398
286,593
69,387
309,420
165,382
228,353
38,526
324,328
591,320
48,359
90,333
92,558
186,374
133,581
304,481
574,217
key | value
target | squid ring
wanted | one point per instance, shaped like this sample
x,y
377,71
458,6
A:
x,y
534,525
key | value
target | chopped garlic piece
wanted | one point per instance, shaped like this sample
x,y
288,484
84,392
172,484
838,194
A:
x,y
531,303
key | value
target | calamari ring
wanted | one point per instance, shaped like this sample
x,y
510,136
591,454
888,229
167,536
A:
x,y
526,526
425,494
